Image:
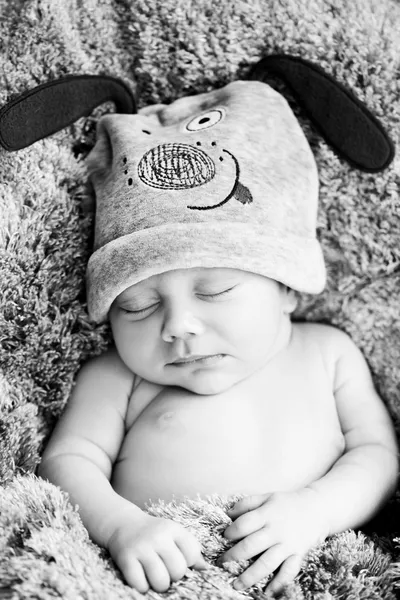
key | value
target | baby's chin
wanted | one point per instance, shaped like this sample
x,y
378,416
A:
x,y
204,381
207,384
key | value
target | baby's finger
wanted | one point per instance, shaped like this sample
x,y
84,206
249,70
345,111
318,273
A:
x,y
200,564
247,504
191,550
250,546
174,561
156,572
288,571
268,562
134,575
248,523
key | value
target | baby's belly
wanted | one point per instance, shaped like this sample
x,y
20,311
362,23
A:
x,y
184,445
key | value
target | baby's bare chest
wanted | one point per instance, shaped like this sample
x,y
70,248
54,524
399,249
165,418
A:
x,y
268,435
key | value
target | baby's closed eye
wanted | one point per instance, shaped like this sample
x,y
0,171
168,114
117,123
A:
x,y
215,294
138,311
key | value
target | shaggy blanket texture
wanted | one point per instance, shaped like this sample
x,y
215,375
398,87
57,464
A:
x,y
165,49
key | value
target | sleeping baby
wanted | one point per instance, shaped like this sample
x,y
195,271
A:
x,y
205,230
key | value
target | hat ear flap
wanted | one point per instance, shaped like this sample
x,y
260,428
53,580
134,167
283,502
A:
x,y
341,118
54,105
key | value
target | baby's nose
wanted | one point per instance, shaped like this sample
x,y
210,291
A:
x,y
176,167
180,326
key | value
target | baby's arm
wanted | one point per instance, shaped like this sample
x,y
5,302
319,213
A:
x,y
86,441
80,457
366,474
281,527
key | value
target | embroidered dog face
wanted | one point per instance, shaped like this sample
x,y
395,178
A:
x,y
184,166
238,153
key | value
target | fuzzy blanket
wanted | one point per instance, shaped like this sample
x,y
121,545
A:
x,y
165,49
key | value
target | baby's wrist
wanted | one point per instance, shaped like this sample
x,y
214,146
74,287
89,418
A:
x,y
120,516
318,511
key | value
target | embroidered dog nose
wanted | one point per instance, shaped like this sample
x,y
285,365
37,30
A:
x,y
176,167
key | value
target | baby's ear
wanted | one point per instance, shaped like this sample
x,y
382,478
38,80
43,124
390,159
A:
x,y
290,300
341,118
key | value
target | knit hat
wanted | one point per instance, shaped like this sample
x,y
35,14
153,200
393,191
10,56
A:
x,y
224,179
221,179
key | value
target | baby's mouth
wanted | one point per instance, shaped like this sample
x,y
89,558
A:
x,y
199,359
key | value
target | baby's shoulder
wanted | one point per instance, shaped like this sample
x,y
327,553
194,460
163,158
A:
x,y
106,371
107,375
325,336
103,386
338,351
331,342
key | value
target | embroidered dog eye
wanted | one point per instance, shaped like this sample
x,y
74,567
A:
x,y
208,119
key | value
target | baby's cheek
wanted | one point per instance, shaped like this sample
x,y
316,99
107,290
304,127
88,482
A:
x,y
138,351
250,333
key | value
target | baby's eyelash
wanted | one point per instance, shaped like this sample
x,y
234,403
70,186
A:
x,y
130,311
140,311
218,293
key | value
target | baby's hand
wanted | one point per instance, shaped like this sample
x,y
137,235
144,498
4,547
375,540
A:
x,y
153,552
281,527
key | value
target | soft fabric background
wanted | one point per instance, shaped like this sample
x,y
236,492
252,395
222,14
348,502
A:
x,y
164,49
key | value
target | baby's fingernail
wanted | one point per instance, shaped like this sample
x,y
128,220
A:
x,y
201,564
238,584
221,561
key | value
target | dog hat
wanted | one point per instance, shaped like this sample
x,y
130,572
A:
x,y
223,179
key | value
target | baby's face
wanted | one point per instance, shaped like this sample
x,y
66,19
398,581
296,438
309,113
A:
x,y
201,329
